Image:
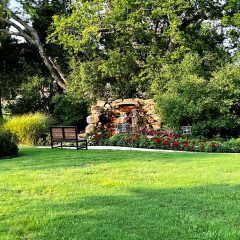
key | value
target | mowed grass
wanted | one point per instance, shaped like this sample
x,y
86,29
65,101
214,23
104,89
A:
x,y
69,194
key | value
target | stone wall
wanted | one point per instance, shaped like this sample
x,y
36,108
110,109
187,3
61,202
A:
x,y
137,112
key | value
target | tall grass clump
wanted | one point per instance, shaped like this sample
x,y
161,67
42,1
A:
x,y
29,128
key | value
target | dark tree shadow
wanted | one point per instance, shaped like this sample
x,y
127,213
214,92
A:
x,y
207,212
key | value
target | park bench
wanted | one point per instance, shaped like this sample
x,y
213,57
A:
x,y
66,134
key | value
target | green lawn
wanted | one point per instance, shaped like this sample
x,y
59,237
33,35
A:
x,y
69,194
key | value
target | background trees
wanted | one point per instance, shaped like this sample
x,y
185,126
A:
x,y
180,52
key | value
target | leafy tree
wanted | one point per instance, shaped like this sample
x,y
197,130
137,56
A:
x,y
210,106
225,96
18,63
127,42
182,101
11,67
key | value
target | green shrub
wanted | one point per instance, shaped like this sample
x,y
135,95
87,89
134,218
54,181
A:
x,y
30,128
210,106
234,141
8,144
130,140
69,111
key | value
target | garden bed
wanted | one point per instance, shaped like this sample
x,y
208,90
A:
x,y
167,140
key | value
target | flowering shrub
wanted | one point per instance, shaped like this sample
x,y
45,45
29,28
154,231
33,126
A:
x,y
163,140
99,136
131,140
159,133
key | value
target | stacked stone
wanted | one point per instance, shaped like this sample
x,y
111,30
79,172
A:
x,y
144,108
148,107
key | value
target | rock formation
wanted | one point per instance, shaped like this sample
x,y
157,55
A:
x,y
137,113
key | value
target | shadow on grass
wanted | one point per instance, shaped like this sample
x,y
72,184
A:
x,y
208,212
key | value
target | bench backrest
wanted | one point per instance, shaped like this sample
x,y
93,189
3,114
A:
x,y
64,133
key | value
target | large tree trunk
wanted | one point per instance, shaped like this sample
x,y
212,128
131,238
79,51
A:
x,y
31,35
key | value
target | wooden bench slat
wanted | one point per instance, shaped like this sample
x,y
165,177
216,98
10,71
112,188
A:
x,y
70,133
66,134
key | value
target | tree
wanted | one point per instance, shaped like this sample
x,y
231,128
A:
x,y
126,43
183,101
211,106
23,29
225,96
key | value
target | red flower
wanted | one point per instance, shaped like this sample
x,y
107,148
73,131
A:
x,y
165,142
175,144
158,140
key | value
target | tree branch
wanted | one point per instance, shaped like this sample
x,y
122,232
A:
x,y
31,35
23,23
57,68
21,32
31,31
10,33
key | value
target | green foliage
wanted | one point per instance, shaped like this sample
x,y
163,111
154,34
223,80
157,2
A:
x,y
183,100
12,66
85,80
69,111
128,43
225,92
99,137
173,50
88,79
21,59
210,106
30,128
234,141
8,144
131,140
31,97
19,70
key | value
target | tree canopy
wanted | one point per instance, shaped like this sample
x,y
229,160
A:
x,y
127,43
